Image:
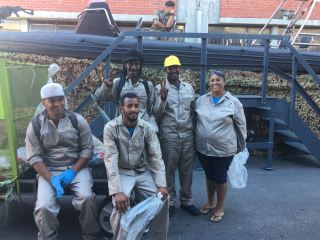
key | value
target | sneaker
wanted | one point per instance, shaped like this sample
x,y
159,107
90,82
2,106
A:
x,y
172,209
191,209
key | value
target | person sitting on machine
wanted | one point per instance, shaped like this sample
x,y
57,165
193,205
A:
x,y
164,19
59,145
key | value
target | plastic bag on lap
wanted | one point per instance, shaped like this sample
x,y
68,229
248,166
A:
x,y
135,220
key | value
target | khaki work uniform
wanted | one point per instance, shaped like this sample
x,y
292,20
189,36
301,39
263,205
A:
x,y
220,127
175,116
59,150
104,93
128,169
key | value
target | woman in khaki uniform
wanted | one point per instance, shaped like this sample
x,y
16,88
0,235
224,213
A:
x,y
220,130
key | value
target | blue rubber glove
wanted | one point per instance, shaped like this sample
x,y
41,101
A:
x,y
67,176
55,182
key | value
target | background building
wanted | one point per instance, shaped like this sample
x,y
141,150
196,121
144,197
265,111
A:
x,y
240,16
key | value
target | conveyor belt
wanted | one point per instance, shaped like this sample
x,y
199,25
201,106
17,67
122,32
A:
x,y
90,46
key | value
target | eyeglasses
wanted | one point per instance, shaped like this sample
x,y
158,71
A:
x,y
218,73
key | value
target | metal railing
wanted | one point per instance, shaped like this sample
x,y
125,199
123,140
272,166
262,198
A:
x,y
203,37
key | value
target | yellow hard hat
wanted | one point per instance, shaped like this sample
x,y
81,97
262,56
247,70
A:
x,y
171,61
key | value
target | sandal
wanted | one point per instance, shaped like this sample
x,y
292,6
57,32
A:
x,y
205,210
217,217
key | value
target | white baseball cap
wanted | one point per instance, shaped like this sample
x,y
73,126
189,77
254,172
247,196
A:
x,y
51,90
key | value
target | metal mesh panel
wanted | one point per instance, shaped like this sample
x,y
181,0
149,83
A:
x,y
20,95
25,84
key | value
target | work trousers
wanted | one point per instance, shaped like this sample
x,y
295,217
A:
x,y
178,154
83,200
143,186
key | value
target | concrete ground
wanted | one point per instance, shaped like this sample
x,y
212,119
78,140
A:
x,y
278,204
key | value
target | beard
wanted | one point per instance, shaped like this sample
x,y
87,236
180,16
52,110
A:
x,y
133,117
133,74
173,77
57,113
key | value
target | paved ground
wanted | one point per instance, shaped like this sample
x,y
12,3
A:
x,y
278,204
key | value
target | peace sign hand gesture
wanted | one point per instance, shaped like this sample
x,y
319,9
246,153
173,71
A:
x,y
163,91
109,81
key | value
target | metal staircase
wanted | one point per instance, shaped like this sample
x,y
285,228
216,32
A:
x,y
291,130
294,132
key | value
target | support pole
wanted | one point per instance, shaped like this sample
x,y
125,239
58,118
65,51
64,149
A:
x,y
265,70
293,90
107,66
203,68
270,138
139,44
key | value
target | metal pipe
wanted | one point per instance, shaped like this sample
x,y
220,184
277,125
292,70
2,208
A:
x,y
274,13
139,44
313,4
107,66
294,20
104,115
203,68
310,34
265,70
94,64
293,90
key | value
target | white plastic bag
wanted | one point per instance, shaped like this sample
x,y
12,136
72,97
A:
x,y
98,152
237,173
134,221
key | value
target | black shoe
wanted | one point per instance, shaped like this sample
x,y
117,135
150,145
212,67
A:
x,y
172,209
92,237
191,209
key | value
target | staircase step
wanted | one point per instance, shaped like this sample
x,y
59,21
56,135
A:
x,y
286,133
276,121
264,108
298,146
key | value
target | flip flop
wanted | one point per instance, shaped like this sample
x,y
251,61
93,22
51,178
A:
x,y
205,210
217,217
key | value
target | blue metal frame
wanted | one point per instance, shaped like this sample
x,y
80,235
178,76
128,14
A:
x,y
299,88
303,62
293,89
203,66
265,69
94,64
269,107
266,39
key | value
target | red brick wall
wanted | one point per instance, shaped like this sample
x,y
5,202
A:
x,y
229,8
259,8
117,6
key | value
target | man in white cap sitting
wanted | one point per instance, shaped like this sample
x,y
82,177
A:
x,y
59,144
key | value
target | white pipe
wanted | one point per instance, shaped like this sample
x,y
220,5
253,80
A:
x,y
199,17
307,18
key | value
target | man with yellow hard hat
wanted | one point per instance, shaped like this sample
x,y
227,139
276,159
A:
x,y
175,115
